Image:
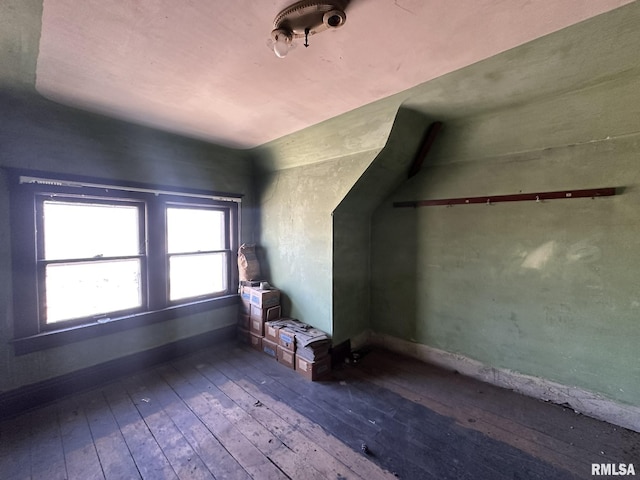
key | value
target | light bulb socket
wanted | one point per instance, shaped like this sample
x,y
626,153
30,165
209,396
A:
x,y
280,34
304,19
282,42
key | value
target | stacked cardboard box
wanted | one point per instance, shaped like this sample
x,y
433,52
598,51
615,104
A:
x,y
319,369
271,339
312,344
287,346
300,347
272,328
292,343
244,322
281,340
312,353
257,307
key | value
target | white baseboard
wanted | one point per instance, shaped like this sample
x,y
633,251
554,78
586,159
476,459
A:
x,y
582,401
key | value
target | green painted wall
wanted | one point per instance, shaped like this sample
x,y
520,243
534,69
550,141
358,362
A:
x,y
547,289
38,134
301,180
352,220
296,205
20,22
543,289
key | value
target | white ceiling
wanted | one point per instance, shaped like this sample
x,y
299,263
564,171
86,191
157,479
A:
x,y
202,68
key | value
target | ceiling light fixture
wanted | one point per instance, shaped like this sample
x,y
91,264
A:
x,y
301,20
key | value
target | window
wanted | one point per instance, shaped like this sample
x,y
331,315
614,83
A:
x,y
90,257
86,254
196,251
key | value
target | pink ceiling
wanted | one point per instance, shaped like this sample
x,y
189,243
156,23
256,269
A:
x,y
202,67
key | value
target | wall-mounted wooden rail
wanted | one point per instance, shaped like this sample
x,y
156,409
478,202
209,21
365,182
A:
x,y
518,197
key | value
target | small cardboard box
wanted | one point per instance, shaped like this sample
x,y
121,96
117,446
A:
x,y
255,341
287,338
257,326
312,344
243,336
270,348
286,357
266,314
264,298
245,293
314,351
313,371
272,326
244,321
271,331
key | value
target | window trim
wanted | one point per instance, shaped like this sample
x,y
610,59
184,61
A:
x,y
41,263
228,246
26,185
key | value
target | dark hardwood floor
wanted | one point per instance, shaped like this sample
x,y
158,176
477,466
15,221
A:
x,y
230,412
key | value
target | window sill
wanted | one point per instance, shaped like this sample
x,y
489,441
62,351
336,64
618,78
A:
x,y
57,338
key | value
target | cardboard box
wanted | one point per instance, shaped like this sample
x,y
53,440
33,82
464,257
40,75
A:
x,y
286,357
243,336
255,341
319,350
270,348
312,344
287,338
264,298
245,307
245,293
318,370
257,326
266,314
244,321
310,336
271,331
272,326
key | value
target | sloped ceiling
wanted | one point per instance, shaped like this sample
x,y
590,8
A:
x,y
201,68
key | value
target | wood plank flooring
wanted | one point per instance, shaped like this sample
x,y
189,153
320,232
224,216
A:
x,y
229,412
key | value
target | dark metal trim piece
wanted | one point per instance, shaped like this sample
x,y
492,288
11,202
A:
x,y
429,137
519,197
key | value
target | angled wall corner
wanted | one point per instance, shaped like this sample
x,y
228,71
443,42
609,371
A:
x,y
352,222
300,181
543,289
294,232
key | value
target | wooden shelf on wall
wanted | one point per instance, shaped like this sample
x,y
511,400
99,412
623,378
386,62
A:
x,y
518,197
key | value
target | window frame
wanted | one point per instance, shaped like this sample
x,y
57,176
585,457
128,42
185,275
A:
x,y
31,333
41,263
227,250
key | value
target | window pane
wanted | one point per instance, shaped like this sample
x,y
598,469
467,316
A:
x,y
86,230
195,275
92,288
194,230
